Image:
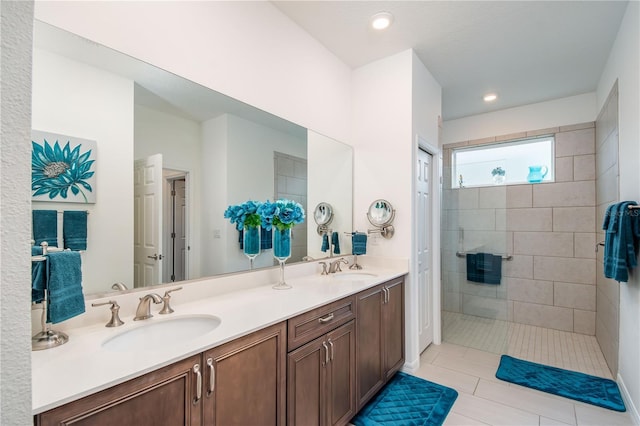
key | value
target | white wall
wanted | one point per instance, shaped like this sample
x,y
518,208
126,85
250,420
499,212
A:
x,y
179,140
623,65
74,99
394,98
543,115
247,50
15,220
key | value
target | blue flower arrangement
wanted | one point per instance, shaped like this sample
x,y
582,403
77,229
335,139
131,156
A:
x,y
281,214
244,214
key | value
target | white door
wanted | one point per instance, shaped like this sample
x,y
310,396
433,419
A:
x,y
424,255
147,225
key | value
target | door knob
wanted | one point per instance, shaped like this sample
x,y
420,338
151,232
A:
x,y
155,257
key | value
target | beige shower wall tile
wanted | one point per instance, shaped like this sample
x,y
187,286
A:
x,y
519,196
564,194
584,167
542,132
578,126
584,322
518,267
477,220
486,307
530,219
564,169
576,142
554,317
543,243
578,296
493,197
467,198
482,141
531,291
607,154
574,219
584,245
607,187
511,136
582,271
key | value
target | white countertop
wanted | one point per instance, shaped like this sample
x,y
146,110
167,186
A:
x,y
82,366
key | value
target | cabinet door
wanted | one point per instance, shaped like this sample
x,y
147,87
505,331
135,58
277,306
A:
x,y
341,375
165,397
370,350
394,327
306,378
245,380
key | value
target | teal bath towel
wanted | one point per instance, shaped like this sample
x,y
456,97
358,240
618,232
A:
x,y
45,227
74,229
622,232
64,283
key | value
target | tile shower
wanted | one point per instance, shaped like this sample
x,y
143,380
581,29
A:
x,y
548,228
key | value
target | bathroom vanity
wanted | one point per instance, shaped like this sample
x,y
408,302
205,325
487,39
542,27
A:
x,y
314,365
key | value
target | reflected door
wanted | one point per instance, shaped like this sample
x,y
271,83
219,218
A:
x,y
424,255
147,225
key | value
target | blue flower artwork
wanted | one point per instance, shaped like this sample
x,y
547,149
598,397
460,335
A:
x,y
62,168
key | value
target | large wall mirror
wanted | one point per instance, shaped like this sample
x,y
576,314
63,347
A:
x,y
168,142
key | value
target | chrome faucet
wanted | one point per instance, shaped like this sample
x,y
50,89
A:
x,y
144,307
335,265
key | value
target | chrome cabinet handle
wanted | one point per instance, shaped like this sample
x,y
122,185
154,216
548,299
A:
x,y
326,354
332,348
212,376
196,371
326,319
386,294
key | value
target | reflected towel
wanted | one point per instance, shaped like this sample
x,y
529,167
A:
x,y
335,240
359,243
74,229
45,227
38,276
64,282
484,268
325,242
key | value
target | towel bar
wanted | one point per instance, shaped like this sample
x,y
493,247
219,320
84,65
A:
x,y
633,207
464,254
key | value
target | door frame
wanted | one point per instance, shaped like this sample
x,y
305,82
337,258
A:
x,y
170,175
436,179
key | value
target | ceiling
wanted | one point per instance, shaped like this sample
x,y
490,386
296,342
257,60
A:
x,y
525,51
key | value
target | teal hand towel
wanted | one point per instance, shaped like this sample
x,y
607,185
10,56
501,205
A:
x,y
335,240
359,243
64,282
74,229
325,242
45,227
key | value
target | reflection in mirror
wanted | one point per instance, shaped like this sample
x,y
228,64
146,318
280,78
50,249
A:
x,y
195,151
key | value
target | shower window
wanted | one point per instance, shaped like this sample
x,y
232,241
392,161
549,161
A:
x,y
507,163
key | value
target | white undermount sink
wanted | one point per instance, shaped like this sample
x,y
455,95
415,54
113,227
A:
x,y
353,276
160,333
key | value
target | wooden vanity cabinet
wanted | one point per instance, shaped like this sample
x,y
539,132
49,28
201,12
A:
x,y
380,337
321,372
245,382
162,397
238,383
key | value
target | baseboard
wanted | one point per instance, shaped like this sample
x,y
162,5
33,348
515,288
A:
x,y
628,402
411,367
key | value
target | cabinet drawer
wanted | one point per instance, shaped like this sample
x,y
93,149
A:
x,y
315,323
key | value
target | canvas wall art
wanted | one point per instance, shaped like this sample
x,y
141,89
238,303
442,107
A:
x,y
62,168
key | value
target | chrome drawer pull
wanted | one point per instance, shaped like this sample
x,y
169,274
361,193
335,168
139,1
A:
x,y
326,319
212,376
196,370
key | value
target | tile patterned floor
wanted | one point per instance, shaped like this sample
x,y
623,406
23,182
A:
x,y
485,400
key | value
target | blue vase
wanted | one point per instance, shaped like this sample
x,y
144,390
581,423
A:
x,y
251,242
281,251
281,243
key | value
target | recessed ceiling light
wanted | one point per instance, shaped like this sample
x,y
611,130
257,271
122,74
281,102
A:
x,y
381,20
490,97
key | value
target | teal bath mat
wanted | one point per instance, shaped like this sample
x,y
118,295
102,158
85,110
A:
x,y
407,401
570,384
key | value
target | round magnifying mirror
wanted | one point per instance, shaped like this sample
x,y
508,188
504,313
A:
x,y
380,213
323,214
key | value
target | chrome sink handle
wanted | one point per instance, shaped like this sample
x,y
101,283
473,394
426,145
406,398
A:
x,y
324,268
166,309
115,320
